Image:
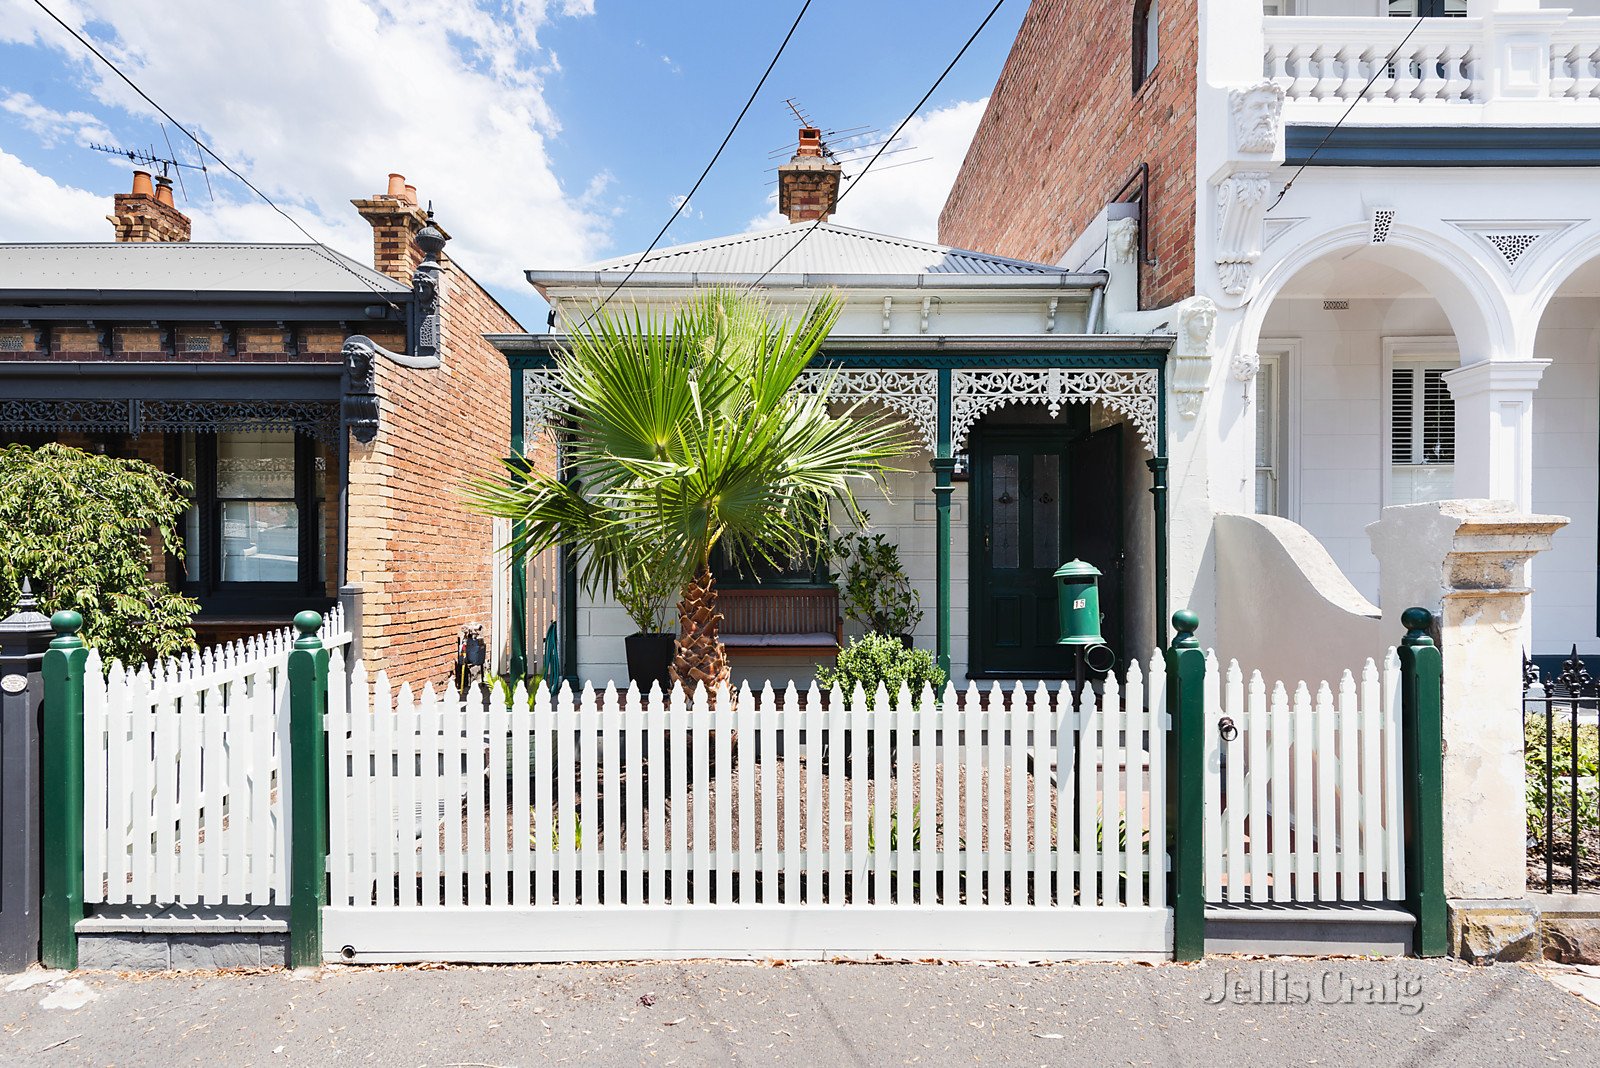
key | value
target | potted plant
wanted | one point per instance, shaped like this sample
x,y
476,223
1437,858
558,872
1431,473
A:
x,y
873,588
645,586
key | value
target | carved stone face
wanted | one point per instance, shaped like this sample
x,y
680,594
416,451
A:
x,y
1256,114
1124,239
1197,324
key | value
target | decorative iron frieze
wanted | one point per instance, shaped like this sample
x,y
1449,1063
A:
x,y
545,400
315,419
65,416
1132,394
914,394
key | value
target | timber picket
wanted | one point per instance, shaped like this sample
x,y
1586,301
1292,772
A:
x,y
1303,804
637,806
180,796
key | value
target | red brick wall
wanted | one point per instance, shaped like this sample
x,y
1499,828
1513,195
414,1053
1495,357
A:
x,y
1064,130
422,556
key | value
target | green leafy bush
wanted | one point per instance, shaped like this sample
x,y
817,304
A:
x,y
78,526
1588,784
873,586
874,658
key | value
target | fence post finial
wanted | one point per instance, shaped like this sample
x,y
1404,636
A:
x,y
1186,676
61,760
1422,757
1418,622
308,792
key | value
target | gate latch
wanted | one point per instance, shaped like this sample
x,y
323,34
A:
x,y
1226,728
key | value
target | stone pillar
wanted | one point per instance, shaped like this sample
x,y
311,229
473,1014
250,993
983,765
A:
x,y
1467,560
1494,428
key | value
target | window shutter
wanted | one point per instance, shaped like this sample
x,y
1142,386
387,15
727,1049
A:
x,y
1402,408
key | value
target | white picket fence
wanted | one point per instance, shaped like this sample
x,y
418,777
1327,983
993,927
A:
x,y
1007,821
182,763
1304,805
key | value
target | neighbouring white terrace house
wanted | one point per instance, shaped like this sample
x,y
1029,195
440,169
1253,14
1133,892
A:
x,y
1041,439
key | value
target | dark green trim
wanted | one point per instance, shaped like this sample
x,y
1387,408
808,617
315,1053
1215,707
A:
x,y
1158,490
308,792
519,563
1148,354
61,765
943,464
1442,146
1422,734
1186,771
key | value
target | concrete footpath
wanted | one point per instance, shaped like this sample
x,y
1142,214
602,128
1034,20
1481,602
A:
x,y
1224,1011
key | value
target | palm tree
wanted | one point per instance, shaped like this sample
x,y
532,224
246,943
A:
x,y
686,433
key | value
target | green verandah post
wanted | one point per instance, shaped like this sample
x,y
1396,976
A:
x,y
1186,679
308,792
61,906
1422,760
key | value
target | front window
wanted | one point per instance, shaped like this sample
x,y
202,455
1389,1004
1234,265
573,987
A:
x,y
1146,29
255,518
1422,433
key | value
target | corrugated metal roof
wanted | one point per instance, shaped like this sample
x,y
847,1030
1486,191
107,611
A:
x,y
188,266
831,250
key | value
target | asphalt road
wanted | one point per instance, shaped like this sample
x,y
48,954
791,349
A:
x,y
1218,1013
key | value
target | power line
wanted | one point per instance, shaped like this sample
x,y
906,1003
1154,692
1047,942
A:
x,y
909,116
1376,70
320,247
714,157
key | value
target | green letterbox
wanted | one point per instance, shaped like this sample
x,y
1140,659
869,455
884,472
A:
x,y
1079,603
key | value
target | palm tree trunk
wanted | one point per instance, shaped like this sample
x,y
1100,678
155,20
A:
x,y
700,657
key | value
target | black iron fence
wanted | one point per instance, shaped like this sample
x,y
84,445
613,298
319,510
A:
x,y
1561,735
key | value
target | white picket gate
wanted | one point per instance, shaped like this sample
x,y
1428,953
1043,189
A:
x,y
1304,804
1002,822
182,762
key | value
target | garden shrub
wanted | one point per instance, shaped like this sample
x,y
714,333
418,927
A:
x,y
875,658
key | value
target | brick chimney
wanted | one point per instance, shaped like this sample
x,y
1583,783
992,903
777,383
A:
x,y
808,185
148,213
396,218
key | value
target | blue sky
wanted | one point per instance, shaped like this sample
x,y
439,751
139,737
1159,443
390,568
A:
x,y
547,133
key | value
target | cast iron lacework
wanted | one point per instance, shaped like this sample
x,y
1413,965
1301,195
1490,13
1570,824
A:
x,y
64,416
915,394
976,393
316,420
912,392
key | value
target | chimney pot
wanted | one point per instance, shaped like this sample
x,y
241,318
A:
x,y
164,191
810,141
141,184
411,195
397,186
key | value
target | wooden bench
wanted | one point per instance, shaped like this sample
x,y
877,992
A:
x,y
782,620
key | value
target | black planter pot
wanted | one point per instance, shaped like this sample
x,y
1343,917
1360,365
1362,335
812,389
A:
x,y
649,659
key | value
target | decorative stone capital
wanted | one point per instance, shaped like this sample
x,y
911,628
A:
x,y
1509,376
1191,351
1257,117
1242,201
1245,366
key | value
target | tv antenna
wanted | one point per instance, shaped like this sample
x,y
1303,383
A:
x,y
169,166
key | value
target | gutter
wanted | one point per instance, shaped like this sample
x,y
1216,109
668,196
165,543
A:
x,y
544,280
915,343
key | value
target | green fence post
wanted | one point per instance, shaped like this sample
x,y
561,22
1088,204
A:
x,y
61,761
1186,680
1422,732
308,792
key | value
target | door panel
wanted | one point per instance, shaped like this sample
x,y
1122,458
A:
x,y
1041,496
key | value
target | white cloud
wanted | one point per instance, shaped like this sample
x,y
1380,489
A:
x,y
37,208
318,100
904,200
52,126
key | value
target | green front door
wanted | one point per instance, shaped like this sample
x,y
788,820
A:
x,y
1019,511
